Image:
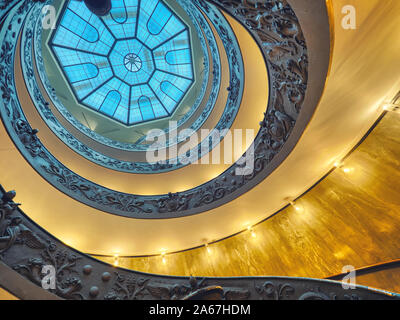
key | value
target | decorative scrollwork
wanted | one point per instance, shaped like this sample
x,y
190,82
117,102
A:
x,y
8,228
27,248
274,25
200,25
271,291
230,111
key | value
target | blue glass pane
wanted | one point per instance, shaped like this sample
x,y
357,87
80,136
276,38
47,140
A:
x,y
81,72
170,29
169,88
180,56
118,11
158,19
110,103
175,56
74,58
145,108
122,18
137,95
132,65
132,62
80,29
173,92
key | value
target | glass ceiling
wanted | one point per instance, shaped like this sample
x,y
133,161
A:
x,y
133,65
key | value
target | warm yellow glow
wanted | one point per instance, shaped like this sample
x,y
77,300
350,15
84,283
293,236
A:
x,y
348,170
345,169
163,253
116,260
68,242
208,248
297,207
141,236
343,253
338,164
252,233
391,107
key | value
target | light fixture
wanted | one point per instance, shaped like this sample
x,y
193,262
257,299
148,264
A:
x,y
207,248
391,107
347,170
253,234
164,260
116,260
296,206
340,165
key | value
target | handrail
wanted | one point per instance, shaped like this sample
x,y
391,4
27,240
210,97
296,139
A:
x,y
369,269
285,51
26,248
212,94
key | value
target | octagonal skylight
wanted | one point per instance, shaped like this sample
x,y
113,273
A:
x,y
133,65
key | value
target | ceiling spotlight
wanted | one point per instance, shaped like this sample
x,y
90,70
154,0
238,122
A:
x,y
296,206
347,170
164,260
116,260
253,234
391,107
338,164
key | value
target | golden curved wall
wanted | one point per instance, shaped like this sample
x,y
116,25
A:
x,y
5,295
348,219
341,118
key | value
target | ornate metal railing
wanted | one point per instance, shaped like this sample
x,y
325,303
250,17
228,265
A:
x,y
379,267
201,26
276,28
26,248
5,6
232,104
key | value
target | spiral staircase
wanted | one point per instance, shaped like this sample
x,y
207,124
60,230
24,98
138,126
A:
x,y
81,93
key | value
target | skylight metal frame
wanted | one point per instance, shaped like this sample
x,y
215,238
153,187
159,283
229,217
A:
x,y
128,123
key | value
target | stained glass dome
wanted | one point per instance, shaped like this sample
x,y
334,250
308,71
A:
x,y
133,65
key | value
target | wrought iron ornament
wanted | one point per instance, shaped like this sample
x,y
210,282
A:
x,y
273,24
27,248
